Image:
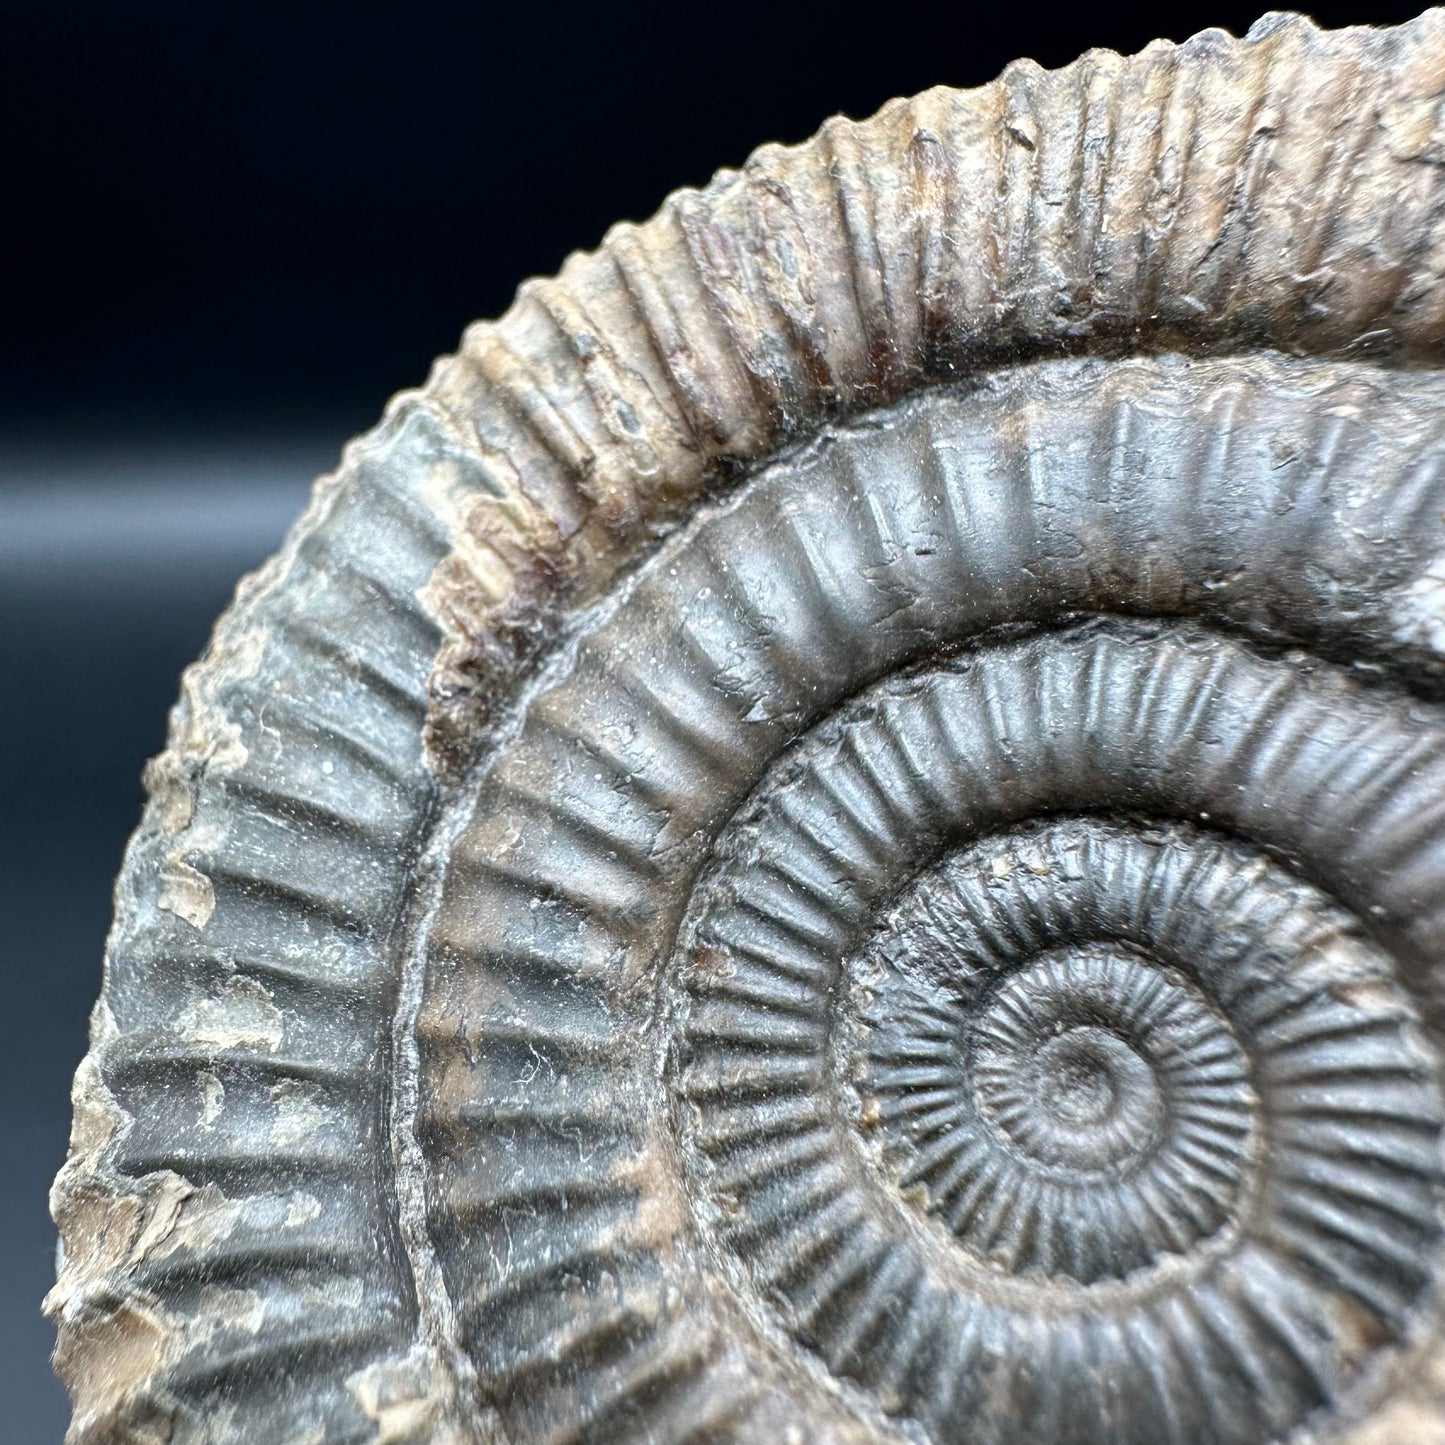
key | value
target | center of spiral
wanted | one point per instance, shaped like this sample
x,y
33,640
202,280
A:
x,y
1082,1109
1089,1079
1057,1073
1081,1076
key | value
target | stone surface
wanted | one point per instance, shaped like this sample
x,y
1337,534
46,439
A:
x,y
838,832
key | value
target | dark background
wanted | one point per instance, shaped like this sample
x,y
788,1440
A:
x,y
227,234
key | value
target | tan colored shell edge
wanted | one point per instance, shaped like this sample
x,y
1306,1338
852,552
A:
x,y
1278,191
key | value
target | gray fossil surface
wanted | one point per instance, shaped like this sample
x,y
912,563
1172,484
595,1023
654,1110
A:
x,y
837,832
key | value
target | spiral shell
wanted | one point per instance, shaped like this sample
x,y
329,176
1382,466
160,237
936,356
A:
x,y
838,833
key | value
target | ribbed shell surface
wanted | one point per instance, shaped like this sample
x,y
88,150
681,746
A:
x,y
838,831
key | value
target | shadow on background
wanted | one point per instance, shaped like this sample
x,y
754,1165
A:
x,y
229,233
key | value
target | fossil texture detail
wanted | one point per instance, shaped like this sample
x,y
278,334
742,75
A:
x,y
838,833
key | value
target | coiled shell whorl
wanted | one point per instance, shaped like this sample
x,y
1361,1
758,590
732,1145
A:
x,y
837,833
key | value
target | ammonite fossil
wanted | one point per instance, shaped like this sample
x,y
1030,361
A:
x,y
837,833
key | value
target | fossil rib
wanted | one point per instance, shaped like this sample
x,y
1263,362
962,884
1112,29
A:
x,y
838,832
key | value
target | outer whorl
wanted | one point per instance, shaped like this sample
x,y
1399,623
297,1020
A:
x,y
837,833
